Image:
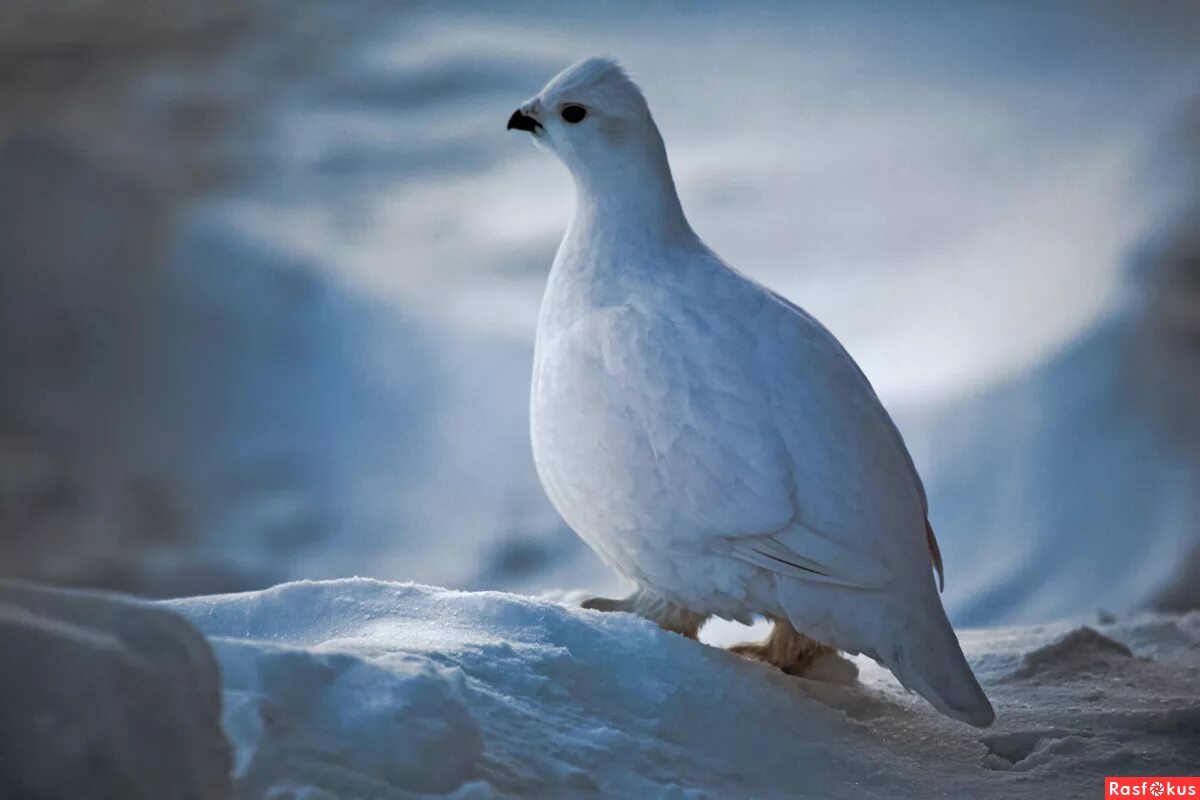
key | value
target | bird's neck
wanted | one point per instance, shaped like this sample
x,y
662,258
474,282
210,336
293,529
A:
x,y
630,200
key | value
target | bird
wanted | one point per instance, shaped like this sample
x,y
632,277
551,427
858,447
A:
x,y
709,439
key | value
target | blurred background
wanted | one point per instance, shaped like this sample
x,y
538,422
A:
x,y
269,274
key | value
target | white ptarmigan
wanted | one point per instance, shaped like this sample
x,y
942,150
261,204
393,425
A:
x,y
710,440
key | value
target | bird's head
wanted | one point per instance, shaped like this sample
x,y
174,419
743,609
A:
x,y
594,118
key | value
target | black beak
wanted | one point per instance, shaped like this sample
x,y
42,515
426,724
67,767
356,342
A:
x,y
522,122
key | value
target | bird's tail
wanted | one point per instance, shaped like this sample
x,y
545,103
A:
x,y
925,657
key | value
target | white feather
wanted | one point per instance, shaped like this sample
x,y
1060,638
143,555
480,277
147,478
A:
x,y
710,440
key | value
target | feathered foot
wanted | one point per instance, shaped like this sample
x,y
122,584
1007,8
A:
x,y
667,616
797,654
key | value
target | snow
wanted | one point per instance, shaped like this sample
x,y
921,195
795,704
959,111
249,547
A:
x,y
1083,477
364,689
320,368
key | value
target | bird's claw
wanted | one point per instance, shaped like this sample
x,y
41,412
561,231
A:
x,y
603,604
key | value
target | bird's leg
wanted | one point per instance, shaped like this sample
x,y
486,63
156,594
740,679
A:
x,y
786,648
645,603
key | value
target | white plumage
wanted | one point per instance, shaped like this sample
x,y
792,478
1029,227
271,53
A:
x,y
710,440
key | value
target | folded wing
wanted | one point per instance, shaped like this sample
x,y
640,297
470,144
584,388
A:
x,y
800,552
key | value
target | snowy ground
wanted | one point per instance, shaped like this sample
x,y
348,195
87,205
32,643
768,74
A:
x,y
364,689
318,367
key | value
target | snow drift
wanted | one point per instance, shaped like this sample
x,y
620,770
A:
x,y
364,689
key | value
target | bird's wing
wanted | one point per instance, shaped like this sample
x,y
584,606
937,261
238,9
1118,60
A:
x,y
831,350
803,553
856,489
855,504
769,440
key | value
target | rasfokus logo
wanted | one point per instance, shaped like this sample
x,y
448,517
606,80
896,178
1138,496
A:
x,y
1151,787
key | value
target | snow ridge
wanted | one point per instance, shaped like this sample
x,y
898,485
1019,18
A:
x,y
363,689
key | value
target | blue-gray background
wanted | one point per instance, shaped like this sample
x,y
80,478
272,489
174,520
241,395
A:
x,y
271,269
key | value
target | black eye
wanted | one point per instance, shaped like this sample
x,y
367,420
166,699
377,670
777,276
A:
x,y
574,114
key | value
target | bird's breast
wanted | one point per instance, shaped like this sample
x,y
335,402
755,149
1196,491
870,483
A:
x,y
649,420
593,388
